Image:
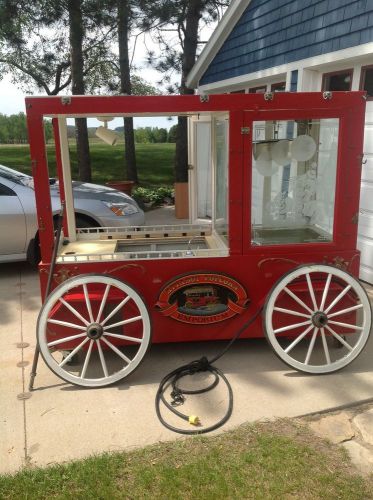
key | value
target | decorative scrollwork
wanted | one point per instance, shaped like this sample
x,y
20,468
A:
x,y
137,267
281,259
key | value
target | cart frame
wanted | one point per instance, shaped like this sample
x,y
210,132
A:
x,y
246,271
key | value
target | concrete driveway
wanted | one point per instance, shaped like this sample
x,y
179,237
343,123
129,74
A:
x,y
60,422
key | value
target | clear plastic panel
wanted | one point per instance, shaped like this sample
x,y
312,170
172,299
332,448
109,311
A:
x,y
293,181
221,177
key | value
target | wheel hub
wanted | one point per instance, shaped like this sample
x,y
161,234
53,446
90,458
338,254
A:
x,y
95,331
319,319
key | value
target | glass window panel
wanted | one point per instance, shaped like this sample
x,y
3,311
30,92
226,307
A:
x,y
221,177
338,81
293,181
258,90
278,87
204,176
367,84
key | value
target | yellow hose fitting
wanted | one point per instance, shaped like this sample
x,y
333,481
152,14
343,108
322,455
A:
x,y
194,420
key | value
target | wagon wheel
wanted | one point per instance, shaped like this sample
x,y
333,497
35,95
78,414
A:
x,y
101,322
317,318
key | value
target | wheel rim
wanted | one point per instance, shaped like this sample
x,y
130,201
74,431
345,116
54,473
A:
x,y
312,308
93,330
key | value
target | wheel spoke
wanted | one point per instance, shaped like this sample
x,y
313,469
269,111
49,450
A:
x,y
114,311
338,298
344,311
312,293
103,303
102,358
87,358
338,337
88,303
326,290
65,323
311,346
288,311
291,327
123,337
72,353
298,339
124,322
66,339
346,325
325,346
297,299
116,350
74,311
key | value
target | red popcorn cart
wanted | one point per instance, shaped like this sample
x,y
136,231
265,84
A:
x,y
274,183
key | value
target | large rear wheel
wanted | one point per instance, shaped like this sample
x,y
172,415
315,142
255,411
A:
x,y
317,318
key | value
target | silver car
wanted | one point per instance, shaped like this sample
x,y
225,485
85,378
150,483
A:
x,y
95,206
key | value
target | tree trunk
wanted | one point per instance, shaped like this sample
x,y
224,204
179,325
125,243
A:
x,y
77,62
124,13
193,16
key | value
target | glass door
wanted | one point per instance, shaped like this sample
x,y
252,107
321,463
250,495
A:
x,y
200,170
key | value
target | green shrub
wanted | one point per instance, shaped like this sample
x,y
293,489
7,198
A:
x,y
154,196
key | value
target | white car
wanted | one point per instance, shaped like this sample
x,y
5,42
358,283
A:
x,y
95,206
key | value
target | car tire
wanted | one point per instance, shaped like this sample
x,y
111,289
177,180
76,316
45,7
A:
x,y
85,221
33,252
33,255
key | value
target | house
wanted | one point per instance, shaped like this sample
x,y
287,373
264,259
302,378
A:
x,y
264,46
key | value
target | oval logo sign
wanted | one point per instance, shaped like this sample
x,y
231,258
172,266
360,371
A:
x,y
202,298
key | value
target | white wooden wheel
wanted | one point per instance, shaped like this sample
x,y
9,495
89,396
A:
x,y
317,318
93,330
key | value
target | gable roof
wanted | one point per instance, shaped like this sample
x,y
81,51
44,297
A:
x,y
220,34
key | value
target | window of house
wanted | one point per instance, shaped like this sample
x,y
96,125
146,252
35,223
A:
x,y
278,87
338,80
366,81
242,91
258,90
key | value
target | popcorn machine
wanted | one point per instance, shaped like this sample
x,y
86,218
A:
x,y
283,180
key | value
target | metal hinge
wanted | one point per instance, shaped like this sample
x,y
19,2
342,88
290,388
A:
x,y
41,225
204,98
361,158
65,99
245,130
355,218
327,95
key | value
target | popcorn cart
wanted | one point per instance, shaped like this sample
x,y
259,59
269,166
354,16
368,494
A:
x,y
281,173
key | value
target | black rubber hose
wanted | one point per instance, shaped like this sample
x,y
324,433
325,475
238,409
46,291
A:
x,y
196,366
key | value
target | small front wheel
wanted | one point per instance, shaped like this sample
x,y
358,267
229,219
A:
x,y
101,322
317,318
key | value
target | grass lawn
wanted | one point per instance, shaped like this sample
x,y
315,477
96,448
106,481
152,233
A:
x,y
279,460
154,161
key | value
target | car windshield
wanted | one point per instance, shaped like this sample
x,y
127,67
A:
x,y
14,176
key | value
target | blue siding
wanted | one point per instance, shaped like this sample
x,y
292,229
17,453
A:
x,y
275,32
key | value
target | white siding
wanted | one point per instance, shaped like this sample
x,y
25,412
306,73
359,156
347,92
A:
x,y
365,231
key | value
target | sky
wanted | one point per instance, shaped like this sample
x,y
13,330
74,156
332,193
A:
x,y
12,99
